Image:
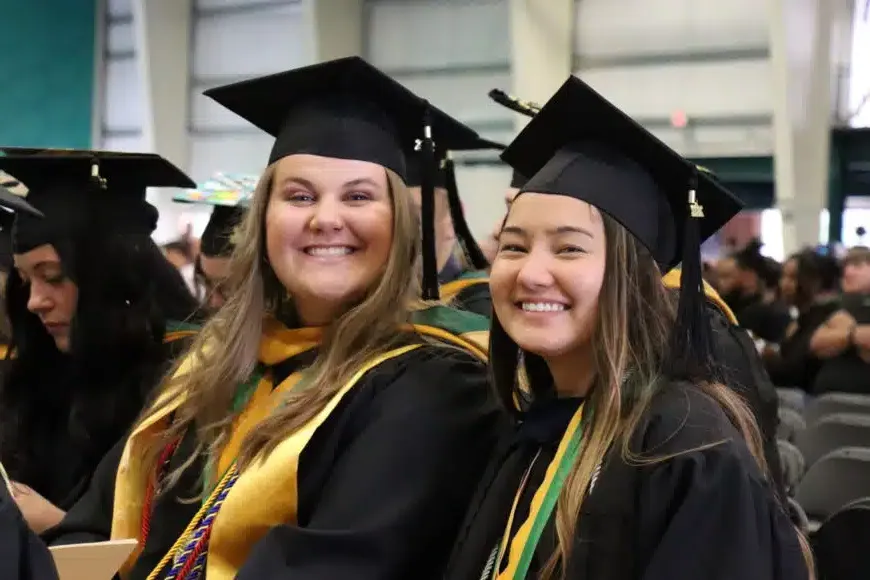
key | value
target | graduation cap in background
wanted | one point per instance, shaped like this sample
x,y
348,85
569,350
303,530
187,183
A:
x,y
12,201
77,189
348,109
527,108
229,195
446,178
582,146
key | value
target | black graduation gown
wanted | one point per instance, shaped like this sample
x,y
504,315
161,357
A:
x,y
63,470
475,298
796,366
23,556
383,484
702,514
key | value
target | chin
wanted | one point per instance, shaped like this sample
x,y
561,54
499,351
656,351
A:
x,y
62,343
545,345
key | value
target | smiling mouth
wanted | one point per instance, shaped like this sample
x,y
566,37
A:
x,y
329,251
542,306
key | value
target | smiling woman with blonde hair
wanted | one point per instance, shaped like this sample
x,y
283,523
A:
x,y
326,423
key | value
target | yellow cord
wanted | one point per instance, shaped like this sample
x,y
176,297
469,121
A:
x,y
183,538
6,480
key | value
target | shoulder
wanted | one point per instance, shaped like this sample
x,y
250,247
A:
x,y
427,364
681,418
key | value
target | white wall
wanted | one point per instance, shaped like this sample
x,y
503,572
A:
x,y
452,52
122,111
234,40
706,58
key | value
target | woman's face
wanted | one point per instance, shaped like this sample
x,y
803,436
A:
x,y
214,271
52,295
788,281
547,274
329,230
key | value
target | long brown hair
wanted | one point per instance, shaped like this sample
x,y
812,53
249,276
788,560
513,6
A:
x,y
629,347
225,351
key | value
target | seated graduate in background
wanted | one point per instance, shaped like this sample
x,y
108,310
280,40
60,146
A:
x,y
461,263
94,309
228,195
631,461
23,556
809,286
329,426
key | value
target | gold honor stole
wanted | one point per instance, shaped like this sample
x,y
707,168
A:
x,y
521,549
265,494
450,290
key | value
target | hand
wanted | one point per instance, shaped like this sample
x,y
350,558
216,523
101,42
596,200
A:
x,y
40,513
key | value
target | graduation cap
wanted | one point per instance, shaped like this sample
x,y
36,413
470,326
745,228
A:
x,y
10,204
229,195
446,178
582,146
77,189
348,109
517,105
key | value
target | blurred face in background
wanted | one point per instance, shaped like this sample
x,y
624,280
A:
x,y
727,276
856,273
788,282
445,235
490,245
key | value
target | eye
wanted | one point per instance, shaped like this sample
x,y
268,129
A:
x,y
507,248
358,196
298,196
571,250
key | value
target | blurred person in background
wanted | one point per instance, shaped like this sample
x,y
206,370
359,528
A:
x,y
745,280
843,341
808,286
461,262
95,312
856,271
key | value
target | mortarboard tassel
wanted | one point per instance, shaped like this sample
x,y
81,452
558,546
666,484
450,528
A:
x,y
691,351
460,226
427,209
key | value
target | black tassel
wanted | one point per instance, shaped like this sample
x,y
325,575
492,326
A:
x,y
428,168
472,251
691,351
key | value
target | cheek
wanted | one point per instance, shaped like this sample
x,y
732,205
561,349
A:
x,y
502,279
67,298
375,229
283,225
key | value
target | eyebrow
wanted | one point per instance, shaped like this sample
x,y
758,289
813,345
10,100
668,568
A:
x,y
550,231
310,185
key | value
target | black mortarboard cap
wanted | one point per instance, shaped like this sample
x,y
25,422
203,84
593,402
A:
x,y
78,189
582,146
6,219
347,109
344,108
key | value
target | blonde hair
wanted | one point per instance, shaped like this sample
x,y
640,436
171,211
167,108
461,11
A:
x,y
629,342
225,352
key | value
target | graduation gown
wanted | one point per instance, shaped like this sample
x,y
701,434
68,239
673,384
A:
x,y
468,291
705,513
23,556
376,491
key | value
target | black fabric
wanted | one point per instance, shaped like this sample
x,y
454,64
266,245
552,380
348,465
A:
x,y
475,298
62,185
743,371
795,365
344,108
704,513
357,520
582,146
22,555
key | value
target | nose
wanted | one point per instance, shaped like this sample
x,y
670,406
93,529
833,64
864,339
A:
x,y
38,301
327,215
535,272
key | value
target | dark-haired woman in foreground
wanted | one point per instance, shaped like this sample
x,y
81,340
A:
x,y
631,461
94,310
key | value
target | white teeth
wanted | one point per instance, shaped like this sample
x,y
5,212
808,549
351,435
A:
x,y
331,251
542,307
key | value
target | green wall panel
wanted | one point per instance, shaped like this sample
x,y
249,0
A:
x,y
47,56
